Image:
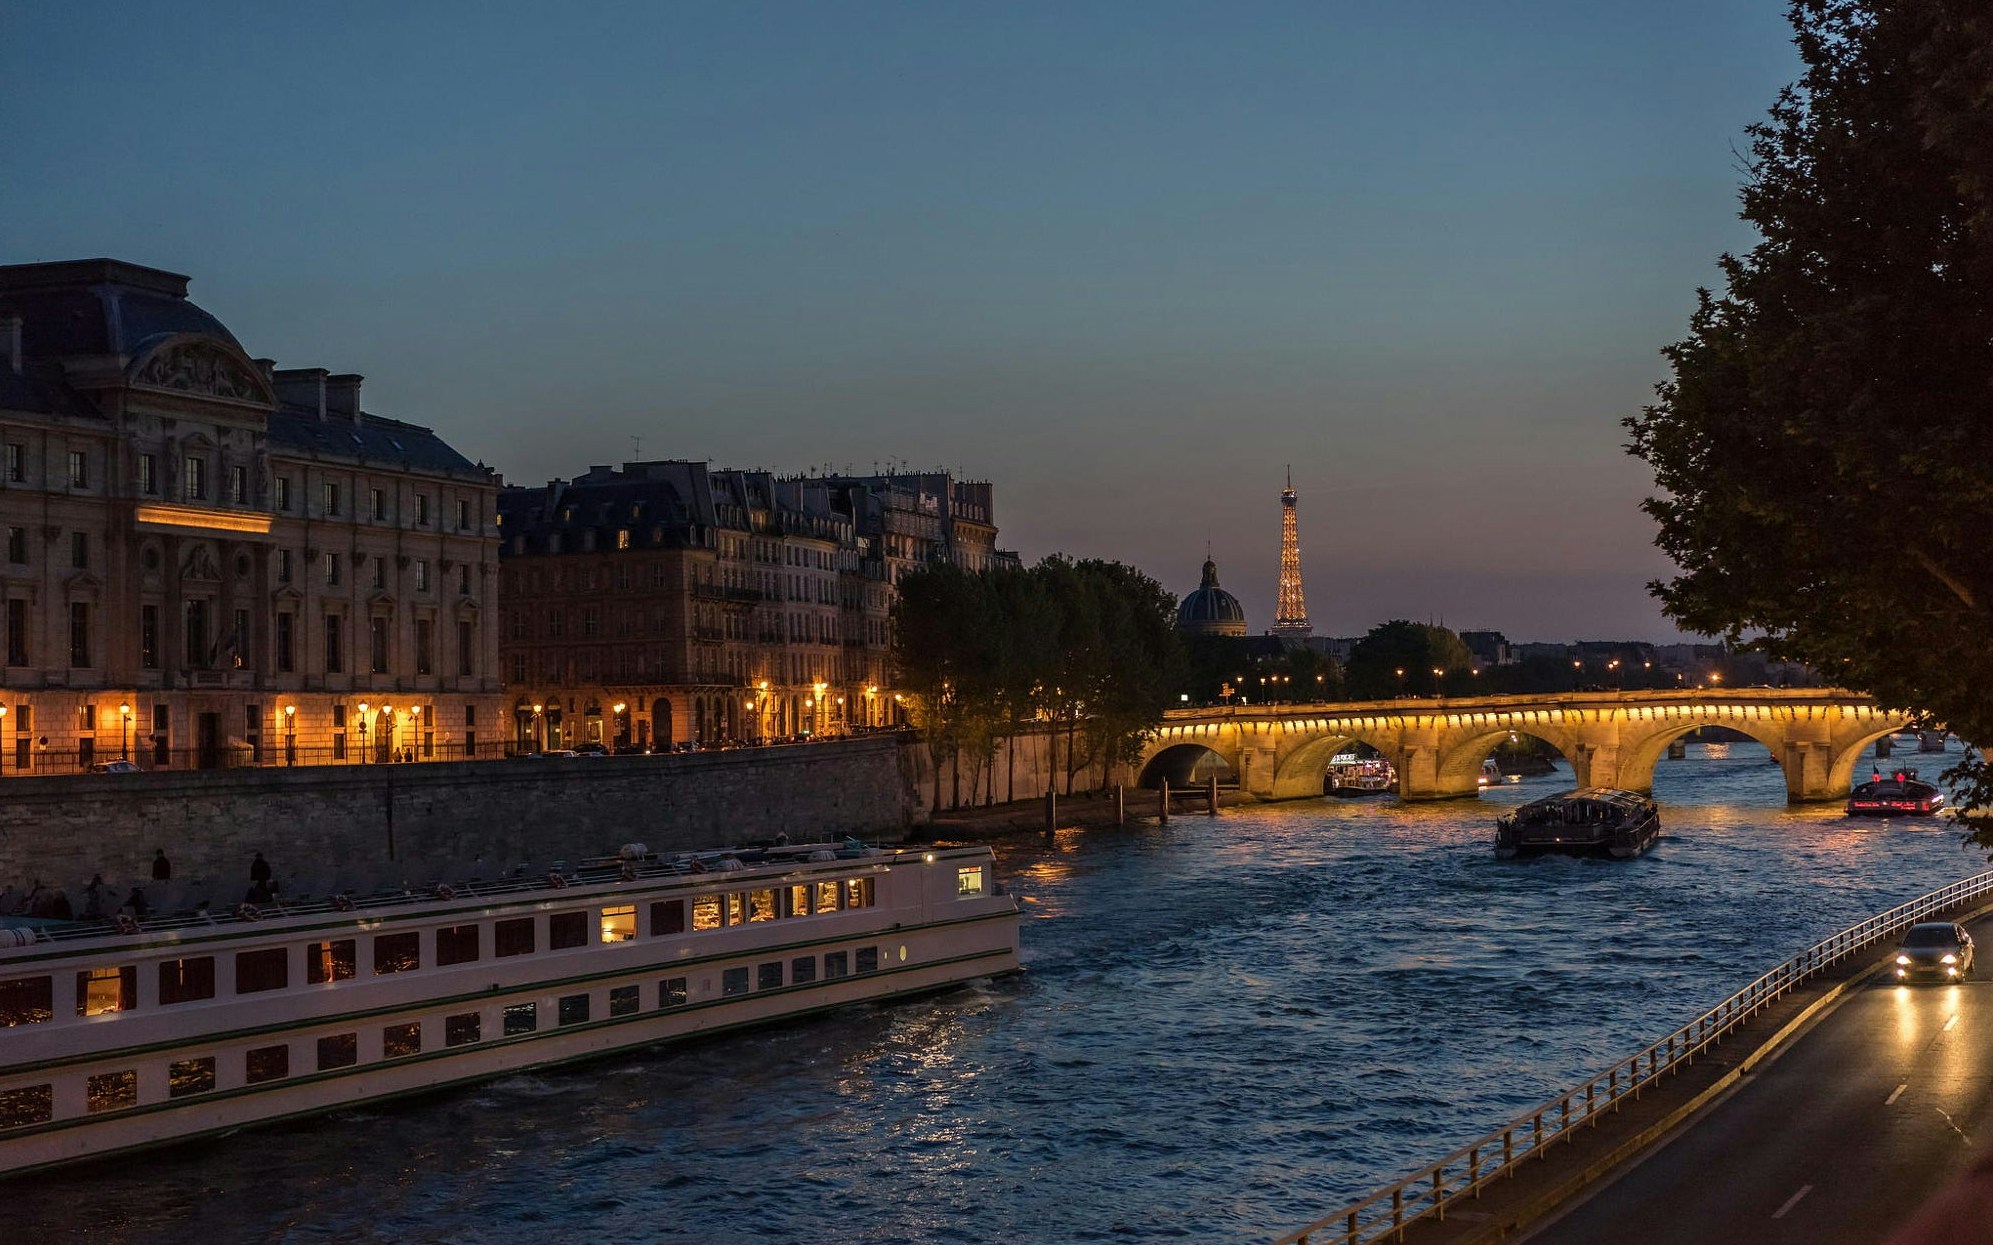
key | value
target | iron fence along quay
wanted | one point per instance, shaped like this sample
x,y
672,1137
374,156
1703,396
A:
x,y
1426,1193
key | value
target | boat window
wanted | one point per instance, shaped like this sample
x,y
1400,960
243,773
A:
x,y
462,1030
671,992
736,908
456,944
836,964
397,953
522,1018
619,924
267,1063
30,1104
761,905
623,1001
341,1050
401,1041
512,937
103,990
733,981
567,929
969,882
573,1009
667,917
802,971
858,893
706,912
256,971
330,961
113,1091
828,894
868,959
190,1076
183,981
27,1001
799,900
769,976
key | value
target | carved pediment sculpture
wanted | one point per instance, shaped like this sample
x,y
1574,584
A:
x,y
200,367
200,564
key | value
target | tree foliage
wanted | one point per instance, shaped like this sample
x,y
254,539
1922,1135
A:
x,y
1398,658
1089,646
1822,441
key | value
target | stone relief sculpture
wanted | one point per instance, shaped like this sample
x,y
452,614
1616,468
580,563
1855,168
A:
x,y
200,564
198,367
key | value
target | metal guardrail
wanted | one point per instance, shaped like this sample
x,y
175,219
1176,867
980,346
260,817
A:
x,y
1428,1192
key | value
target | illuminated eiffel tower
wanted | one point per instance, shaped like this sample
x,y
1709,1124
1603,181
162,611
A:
x,y
1291,619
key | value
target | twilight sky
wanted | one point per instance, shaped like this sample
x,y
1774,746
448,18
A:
x,y
1126,260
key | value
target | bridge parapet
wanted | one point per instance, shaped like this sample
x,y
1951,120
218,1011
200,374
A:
x,y
1611,739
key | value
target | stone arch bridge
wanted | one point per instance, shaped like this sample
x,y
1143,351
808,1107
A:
x,y
1611,739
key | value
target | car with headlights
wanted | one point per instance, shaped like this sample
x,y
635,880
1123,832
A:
x,y
1934,951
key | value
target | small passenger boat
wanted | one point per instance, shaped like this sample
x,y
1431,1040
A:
x,y
116,1035
1591,821
1901,795
1352,777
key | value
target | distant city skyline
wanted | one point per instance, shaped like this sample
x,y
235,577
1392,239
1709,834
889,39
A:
x,y
1124,263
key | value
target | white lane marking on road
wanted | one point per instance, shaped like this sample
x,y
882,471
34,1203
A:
x,y
1891,1100
1949,1024
1792,1201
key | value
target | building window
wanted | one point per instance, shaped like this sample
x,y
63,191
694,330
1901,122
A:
x,y
422,510
341,1050
286,643
190,1076
17,546
377,645
283,566
421,575
397,953
401,1041
186,981
331,499
567,929
195,626
79,470
257,971
238,485
377,504
79,551
282,485
424,642
334,654
466,649
462,1030
622,538
17,640
266,1063
148,636
332,570
100,991
148,475
463,516
195,471
464,580
330,961
17,463
79,635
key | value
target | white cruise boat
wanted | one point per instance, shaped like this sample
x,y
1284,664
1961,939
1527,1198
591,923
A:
x,y
122,1035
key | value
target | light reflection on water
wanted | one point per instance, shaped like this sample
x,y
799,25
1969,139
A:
x,y
1227,1027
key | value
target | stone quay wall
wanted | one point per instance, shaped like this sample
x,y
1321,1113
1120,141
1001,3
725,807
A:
x,y
325,829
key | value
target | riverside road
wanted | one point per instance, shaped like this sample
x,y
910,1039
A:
x,y
1838,1140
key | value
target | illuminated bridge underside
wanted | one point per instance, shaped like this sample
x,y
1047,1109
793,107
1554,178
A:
x,y
1612,739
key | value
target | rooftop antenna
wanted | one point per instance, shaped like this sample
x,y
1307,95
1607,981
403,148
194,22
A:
x,y
637,448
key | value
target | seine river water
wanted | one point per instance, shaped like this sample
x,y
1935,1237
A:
x,y
1225,1029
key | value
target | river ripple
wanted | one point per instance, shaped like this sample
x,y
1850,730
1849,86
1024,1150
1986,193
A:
x,y
1226,1028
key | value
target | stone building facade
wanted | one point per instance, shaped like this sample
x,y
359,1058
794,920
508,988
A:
x,y
210,561
666,603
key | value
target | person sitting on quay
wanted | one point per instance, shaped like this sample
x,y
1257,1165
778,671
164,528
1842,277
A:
x,y
136,904
93,898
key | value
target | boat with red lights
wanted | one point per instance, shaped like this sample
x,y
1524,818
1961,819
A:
x,y
1900,795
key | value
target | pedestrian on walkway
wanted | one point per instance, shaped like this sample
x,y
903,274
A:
x,y
259,870
162,868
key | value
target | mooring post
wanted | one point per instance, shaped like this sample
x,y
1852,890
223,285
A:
x,y
1120,804
1163,803
1211,791
1051,809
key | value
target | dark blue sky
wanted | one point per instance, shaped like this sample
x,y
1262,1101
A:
x,y
1126,260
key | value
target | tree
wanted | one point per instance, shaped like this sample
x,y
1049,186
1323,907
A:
x,y
1399,657
1821,443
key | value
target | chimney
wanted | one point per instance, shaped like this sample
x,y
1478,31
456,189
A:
x,y
10,342
342,397
301,387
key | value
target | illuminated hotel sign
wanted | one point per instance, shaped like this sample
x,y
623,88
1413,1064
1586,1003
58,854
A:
x,y
206,520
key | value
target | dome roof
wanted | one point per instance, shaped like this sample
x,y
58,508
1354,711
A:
x,y
1210,610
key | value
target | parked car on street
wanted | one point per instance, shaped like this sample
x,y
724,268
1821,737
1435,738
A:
x,y
590,749
115,767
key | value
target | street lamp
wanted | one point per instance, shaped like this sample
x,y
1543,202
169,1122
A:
x,y
415,723
617,727
290,734
124,715
363,730
1437,675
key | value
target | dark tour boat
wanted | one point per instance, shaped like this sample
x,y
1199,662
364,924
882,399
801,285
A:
x,y
1591,821
1900,795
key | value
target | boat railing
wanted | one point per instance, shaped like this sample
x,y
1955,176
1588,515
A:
x,y
1430,1191
557,875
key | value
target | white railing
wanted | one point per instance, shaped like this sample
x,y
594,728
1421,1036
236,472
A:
x,y
1428,1192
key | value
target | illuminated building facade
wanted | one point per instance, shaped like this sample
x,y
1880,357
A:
x,y
209,561
667,603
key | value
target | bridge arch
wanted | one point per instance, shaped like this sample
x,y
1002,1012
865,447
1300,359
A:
x,y
1639,756
1459,769
1179,762
1841,774
1300,772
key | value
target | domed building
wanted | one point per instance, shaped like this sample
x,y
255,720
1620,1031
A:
x,y
1210,610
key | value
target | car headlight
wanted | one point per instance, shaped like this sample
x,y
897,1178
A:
x,y
1949,959
1902,959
